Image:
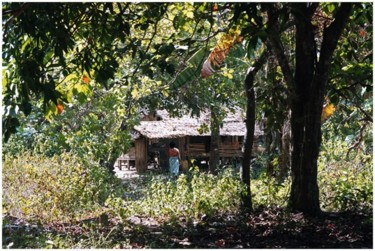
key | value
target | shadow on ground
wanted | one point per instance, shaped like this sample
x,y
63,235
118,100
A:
x,y
272,228
264,228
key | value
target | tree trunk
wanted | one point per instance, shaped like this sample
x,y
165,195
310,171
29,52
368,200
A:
x,y
250,127
311,78
271,143
141,154
306,95
285,156
215,141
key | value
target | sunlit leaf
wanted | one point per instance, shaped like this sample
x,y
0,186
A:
x,y
190,14
219,53
135,93
327,112
85,79
60,108
331,7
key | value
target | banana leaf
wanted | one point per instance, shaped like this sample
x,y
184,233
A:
x,y
192,70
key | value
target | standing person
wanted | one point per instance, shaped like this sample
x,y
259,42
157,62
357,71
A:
x,y
174,159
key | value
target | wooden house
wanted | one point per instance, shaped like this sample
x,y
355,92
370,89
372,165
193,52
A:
x,y
154,134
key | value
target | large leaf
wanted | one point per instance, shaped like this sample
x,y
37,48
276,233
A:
x,y
192,70
217,56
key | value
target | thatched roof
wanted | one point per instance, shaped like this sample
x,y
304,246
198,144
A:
x,y
169,127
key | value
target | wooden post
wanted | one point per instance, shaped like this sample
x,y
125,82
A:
x,y
141,154
164,163
181,146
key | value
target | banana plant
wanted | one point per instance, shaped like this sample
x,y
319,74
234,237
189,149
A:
x,y
198,66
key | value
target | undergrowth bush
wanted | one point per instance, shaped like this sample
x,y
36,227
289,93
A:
x,y
269,191
61,188
345,180
190,196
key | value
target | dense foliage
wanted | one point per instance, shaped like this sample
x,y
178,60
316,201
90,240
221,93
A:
x,y
190,196
345,186
345,177
194,200
83,129
64,188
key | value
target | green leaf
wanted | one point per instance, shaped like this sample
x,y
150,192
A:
x,y
331,7
192,71
190,14
135,93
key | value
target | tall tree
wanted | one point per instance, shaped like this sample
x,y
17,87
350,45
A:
x,y
250,125
307,87
215,141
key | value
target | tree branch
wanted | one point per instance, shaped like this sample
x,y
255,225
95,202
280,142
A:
x,y
342,94
16,13
279,51
252,71
331,35
250,125
358,139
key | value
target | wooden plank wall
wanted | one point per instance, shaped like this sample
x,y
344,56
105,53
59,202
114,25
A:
x,y
181,144
229,148
226,149
141,154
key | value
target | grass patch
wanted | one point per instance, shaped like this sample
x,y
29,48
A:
x,y
62,188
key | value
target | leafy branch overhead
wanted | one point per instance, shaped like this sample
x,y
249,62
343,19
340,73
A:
x,y
73,39
219,53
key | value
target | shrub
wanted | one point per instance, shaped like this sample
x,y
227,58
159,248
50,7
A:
x,y
54,189
190,196
345,180
268,191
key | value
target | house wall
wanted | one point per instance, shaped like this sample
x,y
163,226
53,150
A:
x,y
199,147
141,152
231,147
191,147
162,145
